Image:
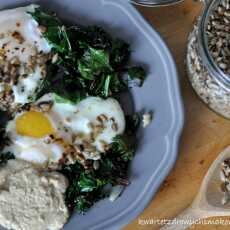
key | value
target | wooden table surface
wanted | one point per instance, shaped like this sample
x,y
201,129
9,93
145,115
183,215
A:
x,y
205,134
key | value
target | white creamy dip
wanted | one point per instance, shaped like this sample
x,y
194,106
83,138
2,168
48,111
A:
x,y
31,200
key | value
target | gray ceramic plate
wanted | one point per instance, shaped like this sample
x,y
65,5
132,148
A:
x,y
158,145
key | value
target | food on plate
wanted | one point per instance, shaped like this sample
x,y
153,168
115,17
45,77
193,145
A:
x,y
30,199
51,132
66,140
23,55
146,119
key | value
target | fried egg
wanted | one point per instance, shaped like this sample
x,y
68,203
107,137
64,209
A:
x,y
20,41
42,134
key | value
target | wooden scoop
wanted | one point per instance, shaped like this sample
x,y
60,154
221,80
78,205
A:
x,y
207,203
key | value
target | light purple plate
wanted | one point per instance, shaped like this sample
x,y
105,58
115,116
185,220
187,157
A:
x,y
158,145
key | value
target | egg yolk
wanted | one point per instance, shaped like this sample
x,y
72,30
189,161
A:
x,y
34,124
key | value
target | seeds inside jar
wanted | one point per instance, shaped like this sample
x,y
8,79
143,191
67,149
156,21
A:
x,y
206,79
218,35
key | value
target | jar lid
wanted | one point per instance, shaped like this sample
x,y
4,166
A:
x,y
155,2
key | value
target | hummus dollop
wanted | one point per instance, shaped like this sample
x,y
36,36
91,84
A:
x,y
31,199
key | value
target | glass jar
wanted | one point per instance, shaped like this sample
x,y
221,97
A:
x,y
210,82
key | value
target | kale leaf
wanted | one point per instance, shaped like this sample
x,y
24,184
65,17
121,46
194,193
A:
x,y
120,54
4,118
132,123
86,188
54,31
120,147
4,157
44,18
59,81
91,62
137,73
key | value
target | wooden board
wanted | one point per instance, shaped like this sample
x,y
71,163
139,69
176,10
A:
x,y
205,134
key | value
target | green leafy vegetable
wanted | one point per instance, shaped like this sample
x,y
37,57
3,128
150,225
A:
x,y
4,157
54,31
132,123
93,36
120,53
58,39
137,73
59,99
59,81
91,62
107,85
120,147
87,183
82,204
44,18
88,187
4,118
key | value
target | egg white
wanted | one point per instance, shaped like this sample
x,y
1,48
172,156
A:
x,y
20,20
67,120
35,150
78,118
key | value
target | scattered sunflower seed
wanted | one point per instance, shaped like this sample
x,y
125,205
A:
x,y
147,118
